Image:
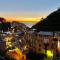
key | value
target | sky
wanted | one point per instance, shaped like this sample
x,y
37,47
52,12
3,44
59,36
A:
x,y
30,10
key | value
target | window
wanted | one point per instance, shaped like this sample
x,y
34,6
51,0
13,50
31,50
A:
x,y
46,40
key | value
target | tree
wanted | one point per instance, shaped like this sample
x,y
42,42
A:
x,y
2,19
5,26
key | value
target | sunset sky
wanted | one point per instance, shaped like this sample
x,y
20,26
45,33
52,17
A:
x,y
27,11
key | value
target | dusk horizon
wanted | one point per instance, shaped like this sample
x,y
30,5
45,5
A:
x,y
24,9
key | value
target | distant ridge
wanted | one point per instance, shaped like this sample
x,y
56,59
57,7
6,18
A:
x,y
19,26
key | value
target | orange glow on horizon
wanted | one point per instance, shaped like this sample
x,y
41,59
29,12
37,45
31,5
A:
x,y
23,19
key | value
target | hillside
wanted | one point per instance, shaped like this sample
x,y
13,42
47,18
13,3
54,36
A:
x,y
50,23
